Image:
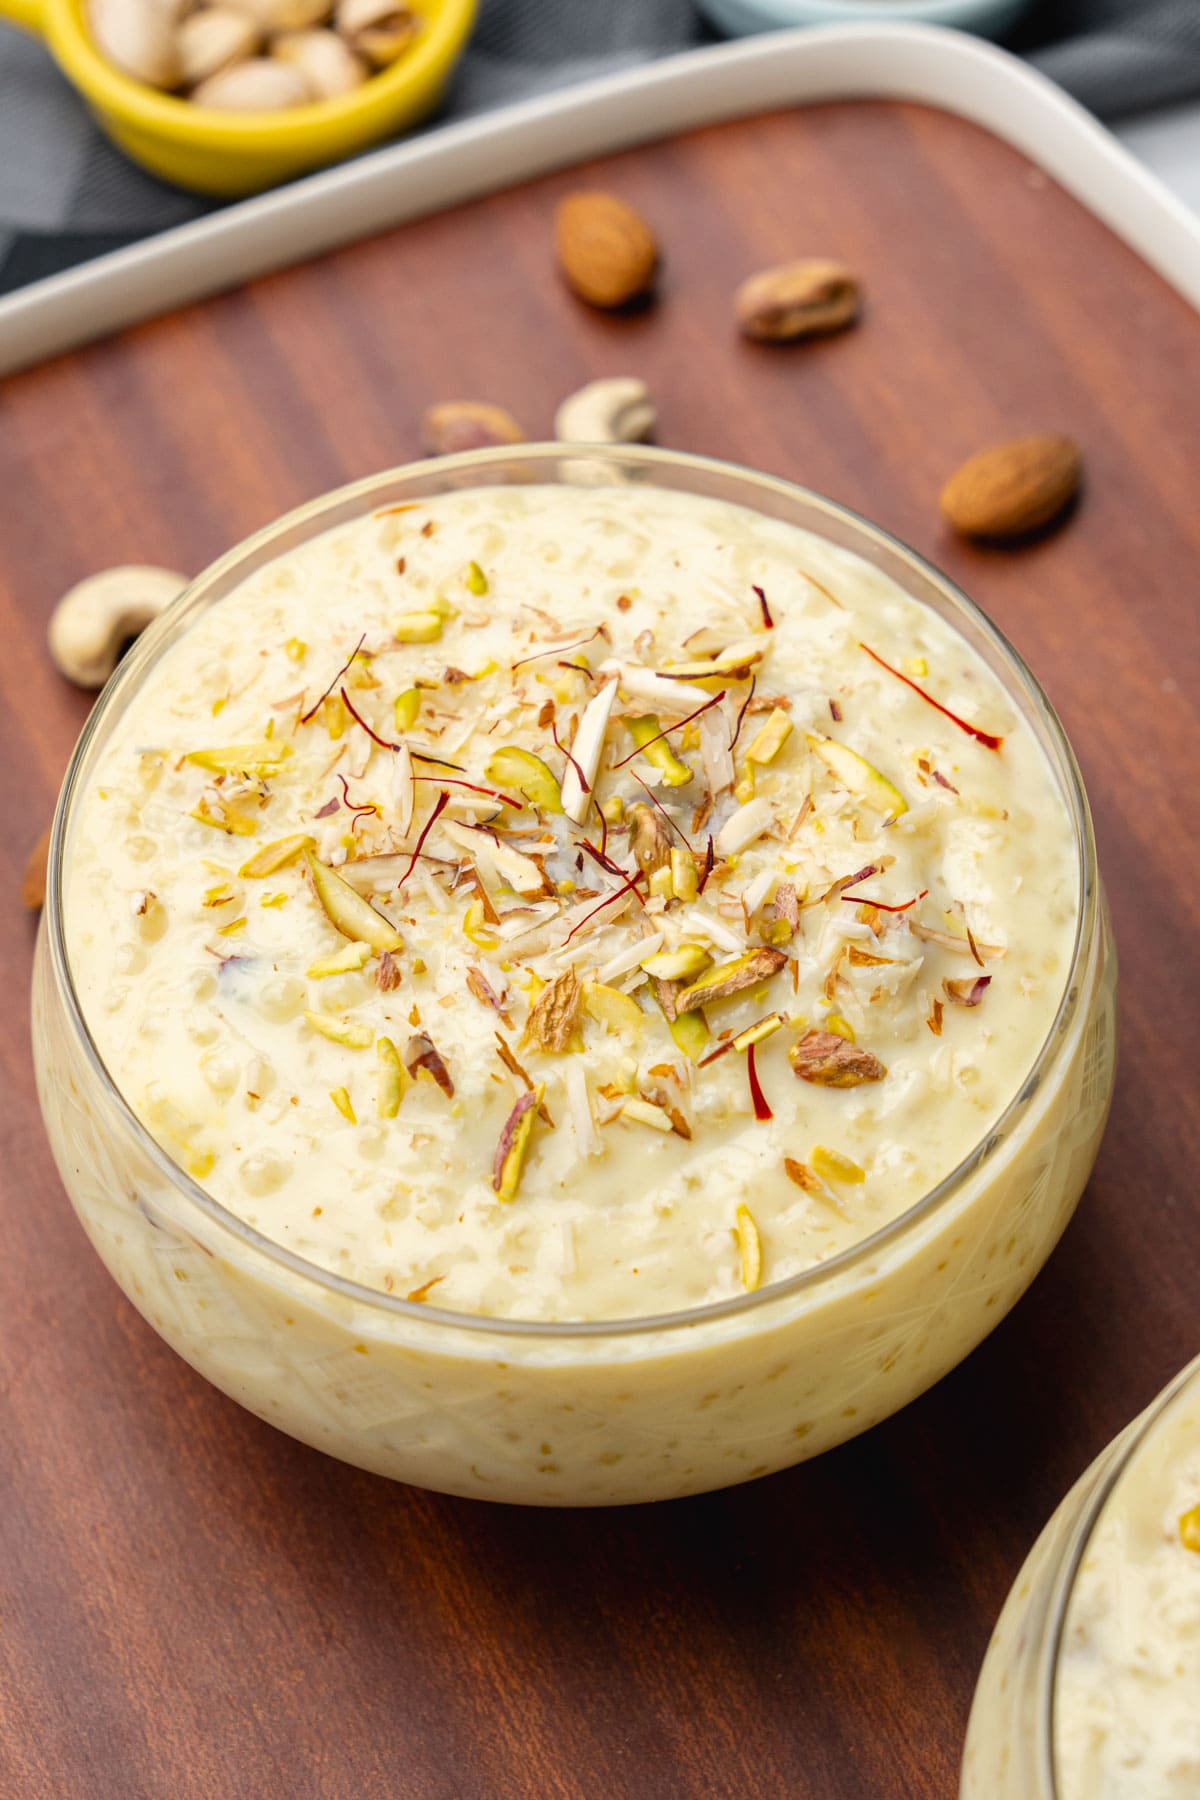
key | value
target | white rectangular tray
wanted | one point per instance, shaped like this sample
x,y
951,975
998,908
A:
x,y
442,167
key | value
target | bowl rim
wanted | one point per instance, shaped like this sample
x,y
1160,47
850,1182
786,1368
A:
x,y
780,14
1127,1444
169,116
318,513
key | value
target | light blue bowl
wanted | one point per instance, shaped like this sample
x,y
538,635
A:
x,y
989,18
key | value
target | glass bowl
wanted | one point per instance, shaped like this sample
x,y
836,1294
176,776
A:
x,y
584,1413
1010,1749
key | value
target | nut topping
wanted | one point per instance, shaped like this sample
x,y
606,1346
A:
x,y
830,1061
797,300
606,251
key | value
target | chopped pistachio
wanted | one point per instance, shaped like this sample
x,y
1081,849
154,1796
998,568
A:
x,y
417,627
514,1142
643,1113
736,661
743,790
422,1057
273,857
341,1031
860,776
520,771
474,927
967,992
333,712
241,759
353,916
222,816
831,1165
731,977
650,838
683,963
829,1061
610,1007
766,744
345,961
646,734
393,1078
476,580
844,1029
233,928
1189,1529
408,705
613,809
691,1034
341,1099
685,878
661,885
295,649
762,1028
749,1248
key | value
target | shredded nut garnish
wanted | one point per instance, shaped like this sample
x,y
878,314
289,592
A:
x,y
523,1076
730,978
663,1099
421,1053
960,945
803,1176
650,838
968,992
387,973
555,1013
934,1021
830,1061
750,1248
514,1140
484,992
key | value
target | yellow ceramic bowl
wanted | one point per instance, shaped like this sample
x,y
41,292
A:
x,y
239,153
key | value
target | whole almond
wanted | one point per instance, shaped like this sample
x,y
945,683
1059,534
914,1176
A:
x,y
1013,488
33,882
607,253
797,300
456,425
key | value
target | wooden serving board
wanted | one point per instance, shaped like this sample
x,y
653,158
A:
x,y
192,1605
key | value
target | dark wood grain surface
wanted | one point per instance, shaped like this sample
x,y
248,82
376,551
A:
x,y
192,1605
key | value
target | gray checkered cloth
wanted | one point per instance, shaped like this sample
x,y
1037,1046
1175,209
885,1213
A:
x,y
66,194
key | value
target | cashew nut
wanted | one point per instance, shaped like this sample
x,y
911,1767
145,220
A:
x,y
94,621
615,410
33,882
326,65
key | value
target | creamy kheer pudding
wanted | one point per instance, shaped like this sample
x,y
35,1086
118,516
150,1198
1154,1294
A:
x,y
1090,1689
1127,1698
570,903
525,910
